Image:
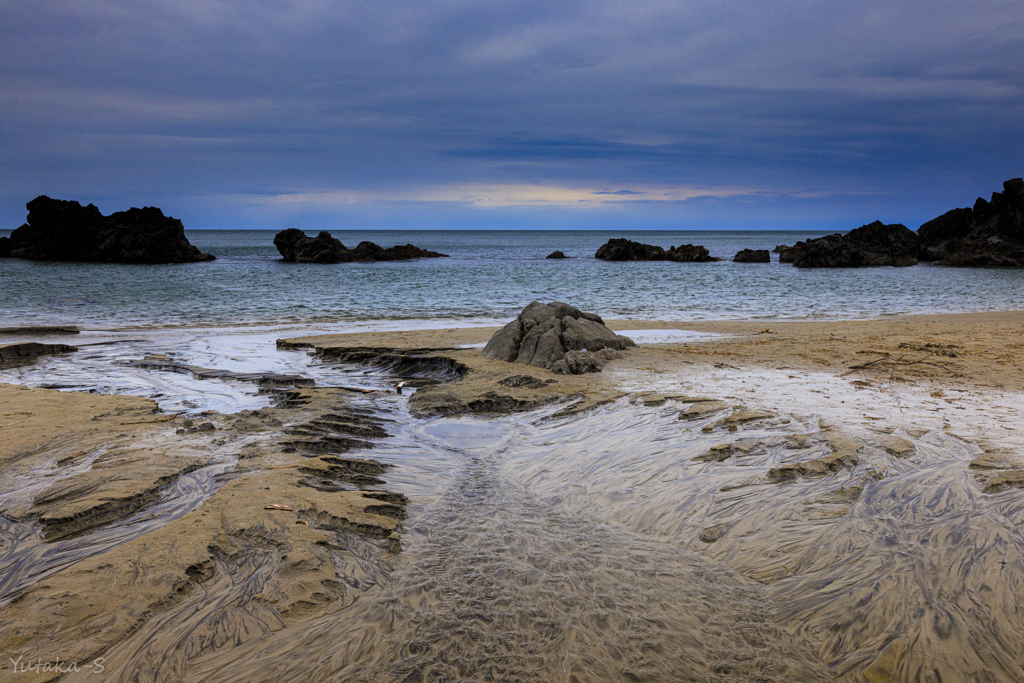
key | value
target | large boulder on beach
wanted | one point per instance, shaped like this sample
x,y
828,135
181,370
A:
x,y
627,250
59,230
752,256
543,334
875,244
991,234
296,247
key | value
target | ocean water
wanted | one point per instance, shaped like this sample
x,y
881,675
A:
x,y
488,278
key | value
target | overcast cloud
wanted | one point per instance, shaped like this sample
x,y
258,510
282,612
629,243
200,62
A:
x,y
602,114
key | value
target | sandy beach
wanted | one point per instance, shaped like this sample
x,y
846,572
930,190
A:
x,y
847,490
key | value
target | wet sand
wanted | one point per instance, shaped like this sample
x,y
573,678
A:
x,y
750,507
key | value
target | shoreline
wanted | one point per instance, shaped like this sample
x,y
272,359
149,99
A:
x,y
436,324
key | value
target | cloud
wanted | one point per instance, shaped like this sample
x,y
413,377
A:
x,y
490,104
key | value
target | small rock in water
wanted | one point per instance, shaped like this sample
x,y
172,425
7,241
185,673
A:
x,y
752,256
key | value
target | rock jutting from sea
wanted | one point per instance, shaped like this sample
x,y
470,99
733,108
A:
x,y
752,256
296,247
990,234
59,230
874,244
556,255
557,337
627,250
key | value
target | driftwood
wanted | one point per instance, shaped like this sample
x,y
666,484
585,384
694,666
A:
x,y
892,363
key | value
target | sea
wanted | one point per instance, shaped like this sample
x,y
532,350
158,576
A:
x,y
488,278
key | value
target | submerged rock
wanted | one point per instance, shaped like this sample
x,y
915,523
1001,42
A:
x,y
874,244
990,234
544,334
626,250
753,256
58,230
296,247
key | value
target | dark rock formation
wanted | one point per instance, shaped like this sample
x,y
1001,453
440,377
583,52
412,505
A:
x,y
869,245
787,254
627,250
543,335
556,255
5,247
60,230
296,247
990,234
28,349
527,381
582,362
753,256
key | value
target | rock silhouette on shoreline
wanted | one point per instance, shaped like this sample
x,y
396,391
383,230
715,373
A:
x,y
991,234
753,256
619,249
296,247
59,230
557,337
874,244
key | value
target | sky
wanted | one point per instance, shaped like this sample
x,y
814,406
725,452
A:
x,y
469,114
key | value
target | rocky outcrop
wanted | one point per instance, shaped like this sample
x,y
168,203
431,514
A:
x,y
59,230
753,256
869,245
787,254
296,247
582,362
990,234
28,349
5,247
556,255
626,250
546,335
